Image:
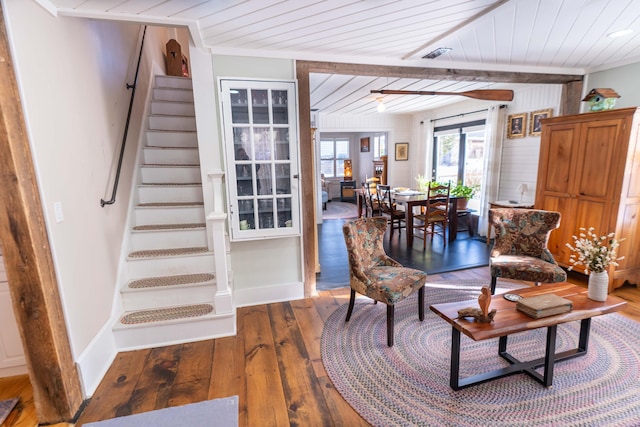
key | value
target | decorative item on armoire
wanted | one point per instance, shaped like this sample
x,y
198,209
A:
x,y
601,99
595,253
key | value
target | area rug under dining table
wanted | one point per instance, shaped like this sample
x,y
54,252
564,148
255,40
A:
x,y
408,384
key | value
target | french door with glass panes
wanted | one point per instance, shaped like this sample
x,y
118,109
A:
x,y
458,154
261,151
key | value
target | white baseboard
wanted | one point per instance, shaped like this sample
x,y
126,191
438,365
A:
x,y
12,371
268,294
95,360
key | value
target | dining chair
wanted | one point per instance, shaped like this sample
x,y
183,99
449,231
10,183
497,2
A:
x,y
374,274
520,249
434,213
389,209
372,206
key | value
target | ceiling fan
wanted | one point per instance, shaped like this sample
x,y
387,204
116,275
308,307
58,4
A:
x,y
484,94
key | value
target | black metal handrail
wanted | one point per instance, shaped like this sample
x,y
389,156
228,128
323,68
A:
x,y
126,127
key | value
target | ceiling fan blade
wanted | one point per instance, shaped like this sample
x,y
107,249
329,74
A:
x,y
484,94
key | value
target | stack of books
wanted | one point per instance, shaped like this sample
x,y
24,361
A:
x,y
544,305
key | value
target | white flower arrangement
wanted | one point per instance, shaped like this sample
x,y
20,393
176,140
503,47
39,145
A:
x,y
595,253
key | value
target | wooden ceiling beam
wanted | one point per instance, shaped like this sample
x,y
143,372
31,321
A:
x,y
437,73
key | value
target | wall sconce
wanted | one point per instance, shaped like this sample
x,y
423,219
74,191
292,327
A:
x,y
348,171
522,188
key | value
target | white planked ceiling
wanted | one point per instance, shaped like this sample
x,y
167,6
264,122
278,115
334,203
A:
x,y
539,36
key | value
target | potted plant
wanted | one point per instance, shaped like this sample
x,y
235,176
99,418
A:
x,y
465,191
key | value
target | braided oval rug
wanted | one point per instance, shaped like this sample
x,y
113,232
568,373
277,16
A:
x,y
408,384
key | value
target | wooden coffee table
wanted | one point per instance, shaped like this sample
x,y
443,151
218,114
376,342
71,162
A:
x,y
508,320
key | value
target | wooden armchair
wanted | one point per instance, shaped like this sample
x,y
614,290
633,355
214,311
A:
x,y
373,274
520,249
435,212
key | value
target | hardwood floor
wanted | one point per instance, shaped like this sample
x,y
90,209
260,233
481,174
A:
x,y
273,364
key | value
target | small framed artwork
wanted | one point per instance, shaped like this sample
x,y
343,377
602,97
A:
x,y
402,151
364,145
535,124
516,125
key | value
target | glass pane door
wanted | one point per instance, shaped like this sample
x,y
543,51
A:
x,y
447,157
262,161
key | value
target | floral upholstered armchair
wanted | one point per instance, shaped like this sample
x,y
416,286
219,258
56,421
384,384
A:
x,y
375,275
520,250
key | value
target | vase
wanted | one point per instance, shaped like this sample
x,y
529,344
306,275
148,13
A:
x,y
598,286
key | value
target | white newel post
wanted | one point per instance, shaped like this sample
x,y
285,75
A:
x,y
216,223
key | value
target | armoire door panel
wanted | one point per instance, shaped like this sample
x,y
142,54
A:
x,y
595,175
559,153
558,238
630,246
594,214
633,159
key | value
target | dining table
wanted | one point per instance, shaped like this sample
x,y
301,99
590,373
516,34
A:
x,y
412,200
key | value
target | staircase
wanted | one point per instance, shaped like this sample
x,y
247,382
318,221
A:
x,y
171,287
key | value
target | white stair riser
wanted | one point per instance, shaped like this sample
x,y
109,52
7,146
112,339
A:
x,y
169,94
176,175
173,82
171,156
159,194
140,268
167,296
173,108
186,139
169,215
172,123
161,334
168,239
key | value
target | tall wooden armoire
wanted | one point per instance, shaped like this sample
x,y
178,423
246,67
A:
x,y
589,171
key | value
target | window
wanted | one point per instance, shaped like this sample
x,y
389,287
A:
x,y
379,145
333,152
458,153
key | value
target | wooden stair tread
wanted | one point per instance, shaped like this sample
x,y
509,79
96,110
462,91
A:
x,y
169,226
170,184
170,204
168,313
184,279
170,165
149,253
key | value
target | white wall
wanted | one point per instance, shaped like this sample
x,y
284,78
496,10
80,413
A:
x,y
399,129
519,158
271,269
624,80
519,162
72,76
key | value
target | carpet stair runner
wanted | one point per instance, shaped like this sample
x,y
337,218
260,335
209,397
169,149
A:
x,y
169,292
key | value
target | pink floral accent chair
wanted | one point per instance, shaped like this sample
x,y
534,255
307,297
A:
x,y
520,250
375,275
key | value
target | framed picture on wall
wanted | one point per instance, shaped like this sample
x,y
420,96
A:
x,y
364,145
516,125
535,124
402,151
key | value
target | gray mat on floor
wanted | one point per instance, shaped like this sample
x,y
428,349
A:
x,y
218,412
